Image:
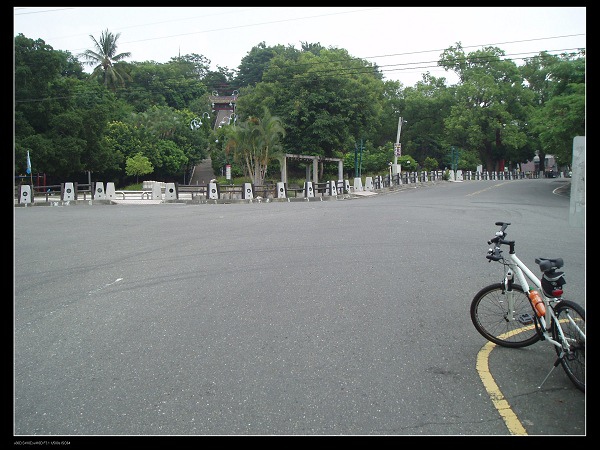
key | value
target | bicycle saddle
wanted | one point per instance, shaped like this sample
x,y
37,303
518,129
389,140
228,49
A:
x,y
547,264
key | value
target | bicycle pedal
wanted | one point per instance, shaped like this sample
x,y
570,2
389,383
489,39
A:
x,y
525,319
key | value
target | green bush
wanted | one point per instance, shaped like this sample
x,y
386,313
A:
x,y
132,187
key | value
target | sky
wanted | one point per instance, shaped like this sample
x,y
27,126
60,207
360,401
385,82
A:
x,y
405,42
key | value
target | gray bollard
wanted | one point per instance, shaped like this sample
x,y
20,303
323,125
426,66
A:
x,y
212,192
170,192
248,191
281,190
68,192
25,196
156,191
308,189
99,193
110,190
332,188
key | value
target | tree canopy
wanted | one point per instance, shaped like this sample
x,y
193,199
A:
x,y
321,101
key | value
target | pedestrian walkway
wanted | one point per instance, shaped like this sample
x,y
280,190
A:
x,y
203,173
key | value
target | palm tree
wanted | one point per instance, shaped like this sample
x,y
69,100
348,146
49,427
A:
x,y
104,58
269,132
257,141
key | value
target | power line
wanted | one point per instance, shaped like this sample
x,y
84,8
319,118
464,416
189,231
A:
x,y
478,46
283,21
219,29
328,73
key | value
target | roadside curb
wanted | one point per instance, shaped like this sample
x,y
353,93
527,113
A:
x,y
203,201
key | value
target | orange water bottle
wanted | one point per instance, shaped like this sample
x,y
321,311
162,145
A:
x,y
537,302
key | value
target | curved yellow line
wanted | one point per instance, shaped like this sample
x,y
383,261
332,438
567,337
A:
x,y
510,418
502,406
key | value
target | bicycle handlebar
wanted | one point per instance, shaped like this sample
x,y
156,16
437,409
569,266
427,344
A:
x,y
547,265
495,254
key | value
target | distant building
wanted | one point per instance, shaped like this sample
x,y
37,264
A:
x,y
224,108
534,166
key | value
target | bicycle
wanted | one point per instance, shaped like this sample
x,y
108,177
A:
x,y
505,314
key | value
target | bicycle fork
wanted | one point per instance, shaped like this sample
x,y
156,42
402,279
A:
x,y
508,290
524,319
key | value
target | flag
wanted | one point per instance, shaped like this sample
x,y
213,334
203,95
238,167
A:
x,y
28,164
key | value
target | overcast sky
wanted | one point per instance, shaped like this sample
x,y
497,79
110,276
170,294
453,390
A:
x,y
404,41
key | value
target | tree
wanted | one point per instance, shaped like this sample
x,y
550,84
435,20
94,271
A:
x,y
138,165
60,117
430,164
257,61
426,105
220,81
106,58
167,140
174,84
489,114
559,86
255,142
559,121
327,102
408,162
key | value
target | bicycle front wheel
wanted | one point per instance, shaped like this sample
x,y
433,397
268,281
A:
x,y
571,318
491,316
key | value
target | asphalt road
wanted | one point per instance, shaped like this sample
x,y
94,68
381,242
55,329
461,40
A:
x,y
346,317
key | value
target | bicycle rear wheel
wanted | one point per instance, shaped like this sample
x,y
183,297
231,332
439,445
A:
x,y
489,313
573,361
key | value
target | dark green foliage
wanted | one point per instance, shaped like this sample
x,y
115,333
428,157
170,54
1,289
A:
x,y
326,103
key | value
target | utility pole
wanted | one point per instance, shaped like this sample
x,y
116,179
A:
x,y
398,147
360,160
357,162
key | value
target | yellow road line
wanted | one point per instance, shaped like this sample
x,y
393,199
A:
x,y
502,406
487,188
510,418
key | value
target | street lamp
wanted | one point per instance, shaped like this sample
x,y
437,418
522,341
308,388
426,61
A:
x,y
234,94
197,122
205,115
214,94
227,120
